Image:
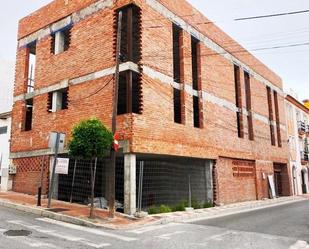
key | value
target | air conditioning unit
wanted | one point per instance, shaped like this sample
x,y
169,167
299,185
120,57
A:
x,y
12,169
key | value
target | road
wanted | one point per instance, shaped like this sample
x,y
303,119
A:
x,y
281,227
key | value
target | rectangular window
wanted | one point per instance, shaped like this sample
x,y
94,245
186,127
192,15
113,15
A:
x,y
277,119
28,115
61,41
176,52
249,105
129,93
178,94
31,61
240,126
196,72
271,116
3,130
58,100
177,106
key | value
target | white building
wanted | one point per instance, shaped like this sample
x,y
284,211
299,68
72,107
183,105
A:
x,y
5,131
297,116
6,97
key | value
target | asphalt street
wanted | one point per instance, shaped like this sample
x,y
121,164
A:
x,y
279,227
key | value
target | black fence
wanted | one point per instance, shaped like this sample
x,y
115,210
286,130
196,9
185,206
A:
x,y
171,182
174,183
76,186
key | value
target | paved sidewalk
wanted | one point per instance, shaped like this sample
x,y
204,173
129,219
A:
x,y
215,212
78,214
70,212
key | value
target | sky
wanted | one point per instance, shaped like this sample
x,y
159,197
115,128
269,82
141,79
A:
x,y
291,64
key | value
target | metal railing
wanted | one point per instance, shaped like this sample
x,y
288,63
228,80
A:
x,y
301,126
304,155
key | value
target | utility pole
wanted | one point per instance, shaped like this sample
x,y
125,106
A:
x,y
51,190
111,199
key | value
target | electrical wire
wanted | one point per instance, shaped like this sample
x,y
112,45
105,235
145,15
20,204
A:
x,y
241,50
232,127
272,15
92,94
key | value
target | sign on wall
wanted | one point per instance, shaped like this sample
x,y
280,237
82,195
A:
x,y
62,166
52,141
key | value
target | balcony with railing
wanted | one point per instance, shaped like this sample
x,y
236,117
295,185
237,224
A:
x,y
304,156
301,127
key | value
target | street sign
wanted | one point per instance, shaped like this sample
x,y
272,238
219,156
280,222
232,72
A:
x,y
62,166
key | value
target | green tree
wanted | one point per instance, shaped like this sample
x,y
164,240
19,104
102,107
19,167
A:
x,y
90,140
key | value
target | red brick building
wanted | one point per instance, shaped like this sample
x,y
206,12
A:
x,y
190,99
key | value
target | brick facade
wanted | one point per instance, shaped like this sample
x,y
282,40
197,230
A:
x,y
154,131
31,172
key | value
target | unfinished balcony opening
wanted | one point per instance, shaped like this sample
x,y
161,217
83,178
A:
x,y
178,94
130,93
271,116
239,116
61,40
31,62
131,33
249,105
28,115
196,79
58,100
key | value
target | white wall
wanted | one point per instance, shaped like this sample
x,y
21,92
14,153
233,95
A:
x,y
7,70
298,147
4,154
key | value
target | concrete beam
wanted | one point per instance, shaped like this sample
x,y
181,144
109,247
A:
x,y
61,24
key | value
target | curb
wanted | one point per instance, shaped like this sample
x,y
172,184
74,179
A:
x,y
192,216
49,214
211,213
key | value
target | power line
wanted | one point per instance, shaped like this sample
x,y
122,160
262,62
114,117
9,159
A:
x,y
230,127
272,15
242,50
92,94
281,46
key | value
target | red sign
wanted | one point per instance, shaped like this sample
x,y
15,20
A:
x,y
116,142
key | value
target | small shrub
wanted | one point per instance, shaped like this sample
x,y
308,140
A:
x,y
207,205
196,204
159,210
153,210
179,207
165,209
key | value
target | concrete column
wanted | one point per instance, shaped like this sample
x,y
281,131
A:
x,y
129,184
56,180
59,42
209,180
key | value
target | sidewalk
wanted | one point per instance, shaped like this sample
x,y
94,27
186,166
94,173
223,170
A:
x,y
220,211
78,214
70,212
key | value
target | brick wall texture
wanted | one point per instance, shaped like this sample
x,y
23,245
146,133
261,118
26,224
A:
x,y
31,173
154,131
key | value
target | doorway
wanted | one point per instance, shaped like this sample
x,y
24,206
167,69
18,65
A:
x,y
294,180
303,181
